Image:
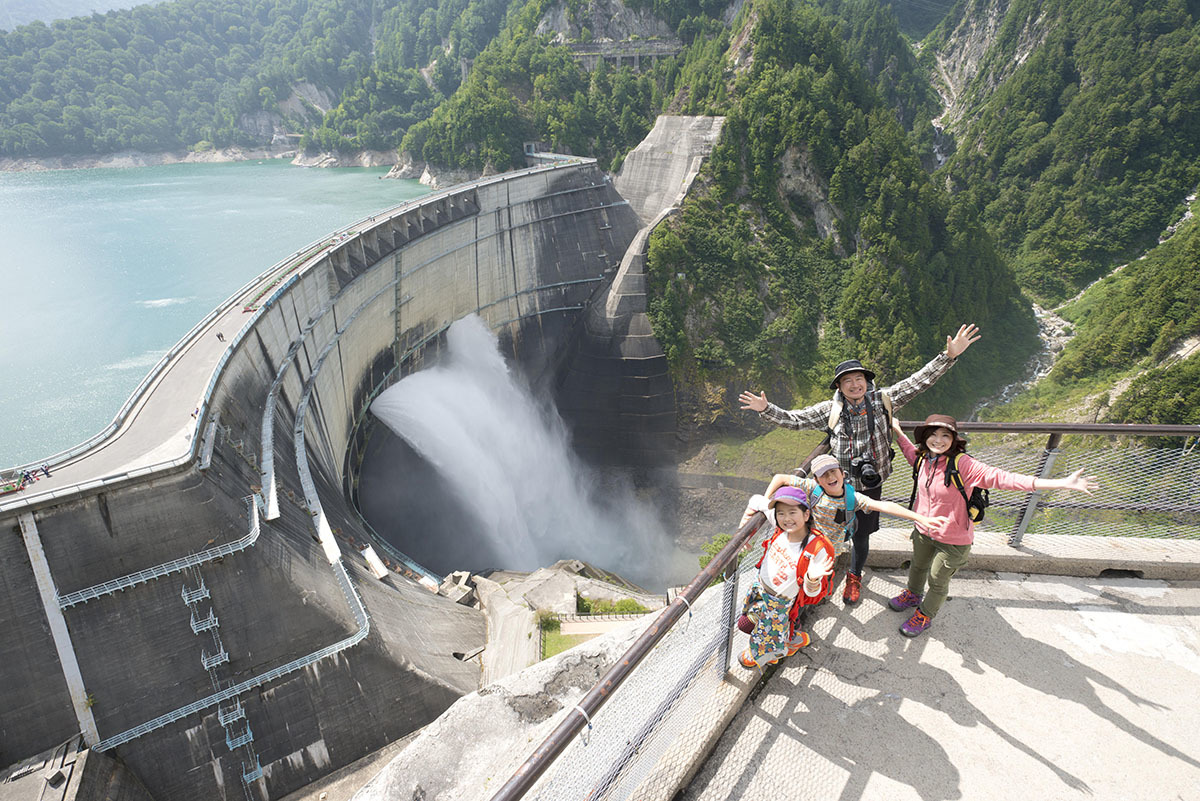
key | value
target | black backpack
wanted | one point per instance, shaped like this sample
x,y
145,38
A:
x,y
977,504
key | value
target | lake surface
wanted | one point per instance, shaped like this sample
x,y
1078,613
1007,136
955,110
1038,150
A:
x,y
104,270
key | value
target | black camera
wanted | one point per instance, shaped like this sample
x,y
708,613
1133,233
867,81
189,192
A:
x,y
864,473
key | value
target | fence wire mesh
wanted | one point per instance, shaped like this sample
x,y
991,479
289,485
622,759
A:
x,y
627,750
1148,488
635,745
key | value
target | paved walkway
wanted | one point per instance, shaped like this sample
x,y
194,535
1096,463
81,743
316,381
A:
x,y
1038,687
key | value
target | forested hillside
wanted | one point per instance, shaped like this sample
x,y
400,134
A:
x,y
1080,133
171,75
822,225
746,282
203,73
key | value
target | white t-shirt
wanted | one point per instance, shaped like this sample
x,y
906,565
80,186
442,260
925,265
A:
x,y
778,571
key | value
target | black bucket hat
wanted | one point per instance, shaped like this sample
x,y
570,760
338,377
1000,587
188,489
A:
x,y
850,366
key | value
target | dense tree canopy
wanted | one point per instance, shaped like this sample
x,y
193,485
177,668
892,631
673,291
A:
x,y
741,281
1079,159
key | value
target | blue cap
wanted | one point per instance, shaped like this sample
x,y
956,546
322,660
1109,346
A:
x,y
789,495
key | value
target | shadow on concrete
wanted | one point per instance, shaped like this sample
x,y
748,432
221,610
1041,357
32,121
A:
x,y
833,718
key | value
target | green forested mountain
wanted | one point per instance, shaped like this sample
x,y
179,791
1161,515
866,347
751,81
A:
x,y
392,95
1080,155
820,226
1132,358
192,72
742,282
171,75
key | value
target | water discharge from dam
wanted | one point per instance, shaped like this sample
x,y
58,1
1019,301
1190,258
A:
x,y
511,493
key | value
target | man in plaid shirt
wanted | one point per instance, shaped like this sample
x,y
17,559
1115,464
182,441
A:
x,y
859,424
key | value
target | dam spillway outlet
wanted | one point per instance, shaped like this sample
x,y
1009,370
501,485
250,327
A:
x,y
481,476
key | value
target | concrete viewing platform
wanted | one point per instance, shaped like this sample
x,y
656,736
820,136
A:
x,y
1042,687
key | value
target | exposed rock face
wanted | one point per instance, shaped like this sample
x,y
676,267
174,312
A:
x,y
604,19
406,167
362,158
304,97
799,179
968,50
136,158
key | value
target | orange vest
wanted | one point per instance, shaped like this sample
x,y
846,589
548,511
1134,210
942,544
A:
x,y
814,543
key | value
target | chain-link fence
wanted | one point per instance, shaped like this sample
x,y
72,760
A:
x,y
1149,484
625,750
644,720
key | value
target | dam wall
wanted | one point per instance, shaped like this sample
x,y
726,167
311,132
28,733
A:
x,y
213,625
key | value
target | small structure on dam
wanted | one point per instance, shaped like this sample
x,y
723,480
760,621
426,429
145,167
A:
x,y
197,607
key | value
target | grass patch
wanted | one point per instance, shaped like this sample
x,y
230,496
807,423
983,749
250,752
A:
x,y
778,451
554,642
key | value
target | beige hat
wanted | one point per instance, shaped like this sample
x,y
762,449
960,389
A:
x,y
822,464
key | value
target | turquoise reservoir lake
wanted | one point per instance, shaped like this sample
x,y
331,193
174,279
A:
x,y
104,270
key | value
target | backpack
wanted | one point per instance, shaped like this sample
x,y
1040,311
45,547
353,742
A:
x,y
851,523
977,504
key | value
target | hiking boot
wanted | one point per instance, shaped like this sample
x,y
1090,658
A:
x,y
745,625
905,600
746,660
915,624
798,641
853,589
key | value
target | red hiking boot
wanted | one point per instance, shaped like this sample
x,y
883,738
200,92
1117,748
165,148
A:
x,y
798,641
853,591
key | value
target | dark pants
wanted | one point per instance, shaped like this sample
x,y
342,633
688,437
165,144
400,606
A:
x,y
868,524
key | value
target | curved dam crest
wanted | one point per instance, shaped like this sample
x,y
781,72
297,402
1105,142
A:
x,y
208,618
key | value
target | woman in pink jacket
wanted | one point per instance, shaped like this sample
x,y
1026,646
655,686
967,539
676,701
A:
x,y
939,553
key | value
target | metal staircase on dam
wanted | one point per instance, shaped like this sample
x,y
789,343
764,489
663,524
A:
x,y
362,251
231,715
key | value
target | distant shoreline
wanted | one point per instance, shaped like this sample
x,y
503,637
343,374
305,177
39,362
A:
x,y
135,158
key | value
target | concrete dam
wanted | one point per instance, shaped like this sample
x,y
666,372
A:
x,y
194,596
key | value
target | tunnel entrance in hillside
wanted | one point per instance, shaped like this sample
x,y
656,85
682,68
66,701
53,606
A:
x,y
467,469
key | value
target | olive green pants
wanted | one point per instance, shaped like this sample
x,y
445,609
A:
x,y
933,563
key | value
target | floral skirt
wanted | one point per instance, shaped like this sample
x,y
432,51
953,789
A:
x,y
772,626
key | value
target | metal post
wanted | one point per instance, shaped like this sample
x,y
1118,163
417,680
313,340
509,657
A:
x,y
1035,498
728,601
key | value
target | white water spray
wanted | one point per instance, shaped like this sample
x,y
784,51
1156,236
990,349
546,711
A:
x,y
506,457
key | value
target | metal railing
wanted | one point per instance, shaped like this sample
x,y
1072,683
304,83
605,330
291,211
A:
x,y
306,253
167,568
651,699
230,693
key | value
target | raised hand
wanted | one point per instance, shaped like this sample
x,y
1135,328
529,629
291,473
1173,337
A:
x,y
1080,483
755,403
955,345
819,566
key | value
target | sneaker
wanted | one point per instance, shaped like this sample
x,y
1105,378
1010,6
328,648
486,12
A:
x,y
798,641
853,589
747,661
745,624
905,600
915,624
